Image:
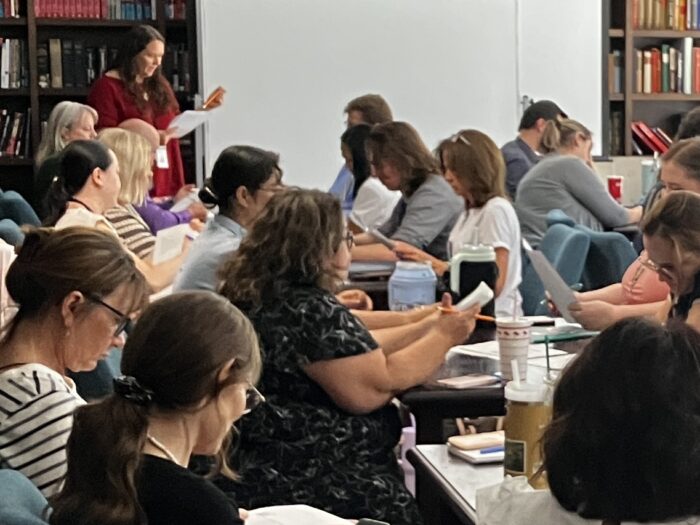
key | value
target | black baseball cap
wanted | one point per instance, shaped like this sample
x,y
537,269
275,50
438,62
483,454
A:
x,y
545,109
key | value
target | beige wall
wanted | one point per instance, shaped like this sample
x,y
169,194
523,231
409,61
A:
x,y
630,168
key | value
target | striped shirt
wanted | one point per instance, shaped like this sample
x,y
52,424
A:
x,y
132,230
36,416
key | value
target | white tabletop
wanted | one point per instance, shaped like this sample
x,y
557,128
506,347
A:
x,y
465,478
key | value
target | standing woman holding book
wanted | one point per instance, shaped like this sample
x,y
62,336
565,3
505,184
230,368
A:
x,y
136,88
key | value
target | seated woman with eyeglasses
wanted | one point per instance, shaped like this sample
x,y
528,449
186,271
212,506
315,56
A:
x,y
641,292
326,435
87,186
427,209
128,454
76,290
242,182
671,232
474,168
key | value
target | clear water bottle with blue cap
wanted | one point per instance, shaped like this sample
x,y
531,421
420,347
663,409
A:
x,y
412,284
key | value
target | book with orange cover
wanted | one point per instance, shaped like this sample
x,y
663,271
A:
x,y
696,70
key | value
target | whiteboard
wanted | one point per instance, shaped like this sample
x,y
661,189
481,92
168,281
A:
x,y
290,66
559,57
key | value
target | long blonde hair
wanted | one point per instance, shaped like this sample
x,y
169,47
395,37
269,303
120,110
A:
x,y
562,133
135,156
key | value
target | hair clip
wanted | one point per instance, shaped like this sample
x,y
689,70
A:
x,y
130,389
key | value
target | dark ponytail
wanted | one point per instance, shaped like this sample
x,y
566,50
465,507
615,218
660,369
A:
x,y
104,451
165,374
354,138
238,166
77,162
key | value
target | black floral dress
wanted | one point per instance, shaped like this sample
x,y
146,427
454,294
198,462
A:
x,y
301,448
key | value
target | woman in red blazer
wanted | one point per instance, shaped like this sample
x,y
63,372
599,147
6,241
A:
x,y
136,88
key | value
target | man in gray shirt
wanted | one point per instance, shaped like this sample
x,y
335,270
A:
x,y
521,154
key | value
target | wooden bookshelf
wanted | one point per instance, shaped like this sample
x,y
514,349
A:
x,y
662,110
18,173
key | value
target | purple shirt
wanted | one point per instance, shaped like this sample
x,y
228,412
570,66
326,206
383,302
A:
x,y
158,217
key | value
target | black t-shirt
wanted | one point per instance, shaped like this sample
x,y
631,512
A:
x,y
172,495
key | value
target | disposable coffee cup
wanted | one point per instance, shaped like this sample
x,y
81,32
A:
x,y
513,336
615,187
528,412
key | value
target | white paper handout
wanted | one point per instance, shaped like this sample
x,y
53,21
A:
x,y
169,243
562,295
188,121
292,515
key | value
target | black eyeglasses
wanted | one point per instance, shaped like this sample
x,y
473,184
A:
x,y
123,322
253,398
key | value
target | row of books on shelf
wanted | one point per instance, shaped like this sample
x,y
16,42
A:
x,y
678,15
9,9
14,73
104,9
667,69
65,63
15,132
646,140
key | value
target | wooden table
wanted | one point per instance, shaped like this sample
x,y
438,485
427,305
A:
x,y
446,486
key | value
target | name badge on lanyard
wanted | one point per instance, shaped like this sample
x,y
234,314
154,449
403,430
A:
x,y
162,158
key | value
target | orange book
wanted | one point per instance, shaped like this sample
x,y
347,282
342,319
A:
x,y
635,14
696,70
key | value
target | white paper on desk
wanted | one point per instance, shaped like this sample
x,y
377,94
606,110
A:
x,y
556,362
188,121
562,295
489,349
292,515
169,243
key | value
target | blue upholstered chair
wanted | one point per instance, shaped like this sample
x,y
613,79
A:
x,y
566,248
21,503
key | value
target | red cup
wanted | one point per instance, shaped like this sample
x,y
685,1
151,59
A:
x,y
615,187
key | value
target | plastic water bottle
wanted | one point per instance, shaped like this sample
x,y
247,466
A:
x,y
411,284
473,264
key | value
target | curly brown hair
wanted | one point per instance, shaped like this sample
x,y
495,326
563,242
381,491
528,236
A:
x,y
153,90
289,244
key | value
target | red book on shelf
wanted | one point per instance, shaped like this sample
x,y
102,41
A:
x,y
656,70
635,14
663,136
696,70
649,138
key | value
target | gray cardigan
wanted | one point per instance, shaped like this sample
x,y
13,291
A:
x,y
566,183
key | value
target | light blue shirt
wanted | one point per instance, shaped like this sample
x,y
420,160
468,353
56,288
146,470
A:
x,y
342,188
215,244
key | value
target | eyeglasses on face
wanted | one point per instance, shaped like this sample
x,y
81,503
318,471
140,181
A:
x,y
645,261
123,321
253,398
